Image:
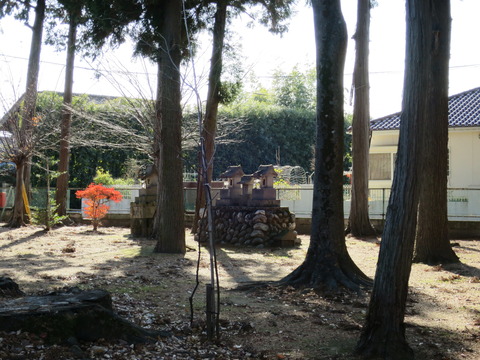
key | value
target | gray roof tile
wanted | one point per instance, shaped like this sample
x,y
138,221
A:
x,y
463,111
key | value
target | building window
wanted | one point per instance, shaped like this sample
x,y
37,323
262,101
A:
x,y
380,167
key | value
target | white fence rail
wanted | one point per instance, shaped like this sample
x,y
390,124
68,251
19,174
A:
x,y
463,203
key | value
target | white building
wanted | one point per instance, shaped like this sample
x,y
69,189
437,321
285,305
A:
x,y
463,147
463,143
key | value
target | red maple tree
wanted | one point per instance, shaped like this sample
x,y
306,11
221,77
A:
x,y
96,196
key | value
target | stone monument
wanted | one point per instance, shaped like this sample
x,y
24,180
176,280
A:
x,y
248,213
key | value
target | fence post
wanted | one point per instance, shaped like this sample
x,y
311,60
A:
x,y
383,204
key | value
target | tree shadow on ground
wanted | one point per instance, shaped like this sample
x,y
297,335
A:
x,y
462,249
235,267
462,269
34,236
153,290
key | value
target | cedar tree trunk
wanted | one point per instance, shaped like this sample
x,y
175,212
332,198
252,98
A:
x,y
327,265
64,154
432,242
359,221
18,215
383,335
169,216
211,108
25,143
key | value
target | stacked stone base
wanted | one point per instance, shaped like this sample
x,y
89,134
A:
x,y
253,227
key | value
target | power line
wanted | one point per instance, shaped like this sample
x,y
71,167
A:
x,y
379,72
150,74
76,66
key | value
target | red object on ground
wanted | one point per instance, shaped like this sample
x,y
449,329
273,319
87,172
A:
x,y
3,199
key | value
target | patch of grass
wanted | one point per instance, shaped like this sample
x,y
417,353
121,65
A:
x,y
137,251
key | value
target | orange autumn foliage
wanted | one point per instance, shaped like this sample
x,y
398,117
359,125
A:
x,y
96,196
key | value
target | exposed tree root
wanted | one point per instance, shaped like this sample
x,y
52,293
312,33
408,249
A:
x,y
361,232
448,257
384,342
322,278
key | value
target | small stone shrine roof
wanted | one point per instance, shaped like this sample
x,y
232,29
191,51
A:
x,y
232,171
246,179
265,170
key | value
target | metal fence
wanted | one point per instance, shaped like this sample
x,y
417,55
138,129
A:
x,y
74,205
463,203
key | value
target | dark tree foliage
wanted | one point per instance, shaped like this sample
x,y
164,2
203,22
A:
x,y
250,134
113,22
87,152
264,129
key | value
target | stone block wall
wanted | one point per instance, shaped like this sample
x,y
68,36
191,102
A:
x,y
255,227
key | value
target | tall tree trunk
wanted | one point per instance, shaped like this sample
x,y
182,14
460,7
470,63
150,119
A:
x,y
64,154
432,242
359,221
383,335
327,264
169,217
211,108
25,143
18,214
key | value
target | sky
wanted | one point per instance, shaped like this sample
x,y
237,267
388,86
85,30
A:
x,y
262,53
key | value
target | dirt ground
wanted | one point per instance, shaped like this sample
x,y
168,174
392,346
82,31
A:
x,y
153,290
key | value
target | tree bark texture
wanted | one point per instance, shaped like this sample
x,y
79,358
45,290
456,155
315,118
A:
x,y
327,265
169,217
27,123
211,109
32,84
359,221
383,335
432,242
64,153
18,213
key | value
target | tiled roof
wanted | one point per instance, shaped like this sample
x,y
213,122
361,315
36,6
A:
x,y
463,111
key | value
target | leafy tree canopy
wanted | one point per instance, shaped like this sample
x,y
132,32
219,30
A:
x,y
295,89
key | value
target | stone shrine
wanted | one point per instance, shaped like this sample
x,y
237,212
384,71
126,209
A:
x,y
248,213
143,208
